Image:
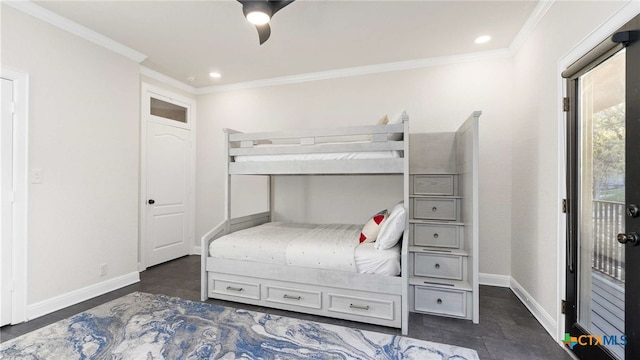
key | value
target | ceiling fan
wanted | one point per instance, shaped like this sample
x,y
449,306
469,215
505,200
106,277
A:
x,y
259,13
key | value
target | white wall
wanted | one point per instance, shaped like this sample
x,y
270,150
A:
x,y
84,135
535,161
437,99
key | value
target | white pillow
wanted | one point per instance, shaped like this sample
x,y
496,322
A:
x,y
371,229
397,120
392,228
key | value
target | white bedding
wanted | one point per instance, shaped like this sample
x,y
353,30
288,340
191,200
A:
x,y
329,246
355,155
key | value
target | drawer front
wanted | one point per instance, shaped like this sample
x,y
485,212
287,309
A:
x,y
433,185
436,265
435,209
441,301
235,288
355,305
436,235
305,298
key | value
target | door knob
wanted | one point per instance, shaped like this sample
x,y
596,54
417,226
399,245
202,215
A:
x,y
151,201
631,238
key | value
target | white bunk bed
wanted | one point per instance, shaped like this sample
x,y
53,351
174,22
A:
x,y
370,298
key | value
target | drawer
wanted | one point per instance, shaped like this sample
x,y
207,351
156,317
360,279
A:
x,y
235,288
360,306
446,236
437,265
434,208
305,298
441,301
432,185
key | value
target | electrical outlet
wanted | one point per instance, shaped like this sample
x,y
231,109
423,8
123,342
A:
x,y
103,269
36,176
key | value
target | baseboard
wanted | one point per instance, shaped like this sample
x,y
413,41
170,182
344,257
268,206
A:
x,y
77,296
535,308
494,280
195,250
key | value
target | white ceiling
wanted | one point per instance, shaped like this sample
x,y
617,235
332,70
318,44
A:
x,y
182,38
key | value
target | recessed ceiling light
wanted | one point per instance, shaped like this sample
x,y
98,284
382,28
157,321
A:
x,y
215,75
482,39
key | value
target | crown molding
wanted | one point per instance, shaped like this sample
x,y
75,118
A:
x,y
167,80
599,34
357,71
63,23
538,13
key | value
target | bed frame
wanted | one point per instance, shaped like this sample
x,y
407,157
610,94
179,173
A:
x,y
375,299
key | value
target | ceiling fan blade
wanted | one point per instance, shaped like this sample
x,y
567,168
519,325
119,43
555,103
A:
x,y
277,5
264,31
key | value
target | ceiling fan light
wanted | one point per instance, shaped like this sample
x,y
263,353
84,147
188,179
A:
x,y
258,16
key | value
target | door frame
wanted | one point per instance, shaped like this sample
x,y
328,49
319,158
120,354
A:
x,y
146,91
605,30
20,188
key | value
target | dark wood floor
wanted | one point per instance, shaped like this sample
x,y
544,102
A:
x,y
507,330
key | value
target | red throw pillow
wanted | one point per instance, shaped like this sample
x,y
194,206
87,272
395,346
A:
x,y
371,229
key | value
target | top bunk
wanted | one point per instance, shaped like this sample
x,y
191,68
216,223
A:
x,y
372,149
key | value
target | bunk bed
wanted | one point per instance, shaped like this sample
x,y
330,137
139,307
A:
x,y
237,265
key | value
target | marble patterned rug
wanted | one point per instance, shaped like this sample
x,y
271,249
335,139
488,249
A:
x,y
145,326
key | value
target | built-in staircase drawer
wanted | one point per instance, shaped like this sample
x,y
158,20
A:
x,y
446,236
362,307
432,185
305,298
434,208
234,288
437,265
441,301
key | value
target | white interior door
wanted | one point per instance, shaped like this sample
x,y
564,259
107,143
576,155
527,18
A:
x,y
168,179
6,201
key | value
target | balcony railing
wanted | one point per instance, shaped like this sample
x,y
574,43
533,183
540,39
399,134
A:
x,y
608,253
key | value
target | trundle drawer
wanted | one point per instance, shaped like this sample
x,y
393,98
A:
x,y
437,265
441,301
435,208
372,308
234,288
432,185
436,235
305,298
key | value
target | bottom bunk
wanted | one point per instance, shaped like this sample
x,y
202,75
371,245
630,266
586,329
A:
x,y
301,276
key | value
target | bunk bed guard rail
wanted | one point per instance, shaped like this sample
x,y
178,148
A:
x,y
372,149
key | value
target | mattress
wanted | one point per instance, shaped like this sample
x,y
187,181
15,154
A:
x,y
352,155
320,246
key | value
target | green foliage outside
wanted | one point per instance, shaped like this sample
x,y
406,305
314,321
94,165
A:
x,y
608,154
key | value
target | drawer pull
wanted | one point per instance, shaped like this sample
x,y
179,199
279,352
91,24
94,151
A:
x,y
361,307
287,296
439,301
434,209
233,288
435,236
437,266
437,283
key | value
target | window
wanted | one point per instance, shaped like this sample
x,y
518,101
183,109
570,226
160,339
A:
x,y
168,110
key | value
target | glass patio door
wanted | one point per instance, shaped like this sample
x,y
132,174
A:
x,y
602,187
